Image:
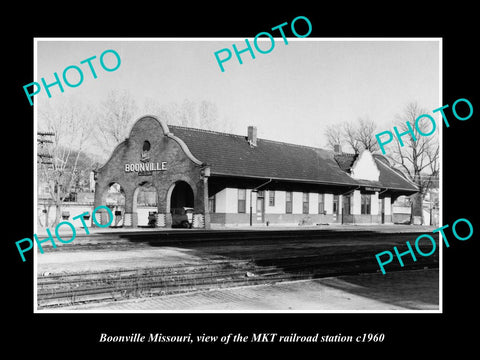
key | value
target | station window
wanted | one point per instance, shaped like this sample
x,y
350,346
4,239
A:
x,y
271,198
347,204
366,204
321,203
211,204
288,202
305,199
335,204
242,200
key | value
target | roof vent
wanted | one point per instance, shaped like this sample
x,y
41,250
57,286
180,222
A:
x,y
252,136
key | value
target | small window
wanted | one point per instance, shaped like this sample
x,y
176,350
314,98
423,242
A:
x,y
242,200
335,204
271,198
305,200
211,204
321,203
366,204
288,202
146,146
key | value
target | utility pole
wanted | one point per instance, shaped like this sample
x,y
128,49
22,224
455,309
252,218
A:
x,y
44,158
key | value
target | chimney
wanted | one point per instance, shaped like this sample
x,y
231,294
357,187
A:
x,y
252,136
337,149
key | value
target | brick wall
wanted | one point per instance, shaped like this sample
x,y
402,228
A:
x,y
179,166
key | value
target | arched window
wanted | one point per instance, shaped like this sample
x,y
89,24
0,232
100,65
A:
x,y
146,145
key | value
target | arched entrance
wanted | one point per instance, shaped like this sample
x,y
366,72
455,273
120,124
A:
x,y
180,204
182,195
115,200
145,204
154,155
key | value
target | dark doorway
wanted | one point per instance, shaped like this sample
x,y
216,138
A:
x,y
381,209
336,209
346,209
182,196
260,206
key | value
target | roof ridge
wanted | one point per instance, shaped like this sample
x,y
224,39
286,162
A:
x,y
204,130
292,144
345,153
245,136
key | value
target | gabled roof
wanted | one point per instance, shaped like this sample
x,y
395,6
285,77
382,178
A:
x,y
345,160
389,177
393,177
231,155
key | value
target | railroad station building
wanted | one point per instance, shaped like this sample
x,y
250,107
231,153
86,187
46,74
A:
x,y
232,180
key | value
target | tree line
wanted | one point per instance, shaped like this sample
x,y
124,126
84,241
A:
x,y
84,136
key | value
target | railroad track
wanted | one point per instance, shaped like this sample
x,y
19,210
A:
x,y
82,288
205,238
238,260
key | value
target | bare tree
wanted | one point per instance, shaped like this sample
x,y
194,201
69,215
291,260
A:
x,y
366,130
208,115
417,158
115,118
358,136
350,136
71,124
204,115
334,136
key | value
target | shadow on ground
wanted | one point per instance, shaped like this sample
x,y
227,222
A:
x,y
410,289
319,253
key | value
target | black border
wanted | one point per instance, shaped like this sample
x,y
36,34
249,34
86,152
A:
x,y
406,334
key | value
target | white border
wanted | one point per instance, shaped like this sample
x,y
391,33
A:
x,y
35,186
337,39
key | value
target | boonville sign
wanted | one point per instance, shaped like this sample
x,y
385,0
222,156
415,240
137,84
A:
x,y
146,167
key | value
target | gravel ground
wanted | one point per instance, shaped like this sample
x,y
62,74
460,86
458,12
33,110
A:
x,y
401,290
397,290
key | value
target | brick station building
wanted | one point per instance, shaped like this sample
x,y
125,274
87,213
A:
x,y
240,180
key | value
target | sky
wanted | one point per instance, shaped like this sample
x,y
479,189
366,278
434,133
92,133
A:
x,y
290,94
